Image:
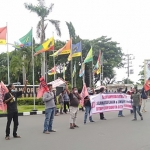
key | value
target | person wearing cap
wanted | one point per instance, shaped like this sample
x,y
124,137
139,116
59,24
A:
x,y
120,114
48,98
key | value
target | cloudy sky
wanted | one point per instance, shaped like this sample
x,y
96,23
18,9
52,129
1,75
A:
x,y
125,21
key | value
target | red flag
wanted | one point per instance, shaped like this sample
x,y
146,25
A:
x,y
42,88
83,94
147,85
3,91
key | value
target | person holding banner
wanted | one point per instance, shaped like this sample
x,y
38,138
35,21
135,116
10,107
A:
x,y
120,114
10,99
136,102
74,103
144,99
87,105
102,114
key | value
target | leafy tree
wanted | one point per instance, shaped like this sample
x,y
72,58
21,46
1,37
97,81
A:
x,y
43,12
127,81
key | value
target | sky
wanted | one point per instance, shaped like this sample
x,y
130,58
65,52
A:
x,y
125,21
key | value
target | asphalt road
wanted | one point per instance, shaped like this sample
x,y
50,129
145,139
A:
x,y
113,134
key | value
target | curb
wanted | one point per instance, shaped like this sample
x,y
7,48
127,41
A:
x,y
30,113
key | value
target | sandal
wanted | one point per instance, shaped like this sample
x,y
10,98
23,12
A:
x,y
76,126
7,138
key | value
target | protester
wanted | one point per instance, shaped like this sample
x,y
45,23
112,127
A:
x,y
48,98
120,114
144,99
10,99
66,101
101,91
130,93
61,101
55,99
87,105
136,102
74,103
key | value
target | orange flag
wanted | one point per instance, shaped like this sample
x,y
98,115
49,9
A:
x,y
3,32
64,50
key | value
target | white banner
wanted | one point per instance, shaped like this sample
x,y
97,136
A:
x,y
110,102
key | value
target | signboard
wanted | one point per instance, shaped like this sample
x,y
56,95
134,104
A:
x,y
146,69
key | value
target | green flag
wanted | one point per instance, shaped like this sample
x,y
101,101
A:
x,y
27,39
89,56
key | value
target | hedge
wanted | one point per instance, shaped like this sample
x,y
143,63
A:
x,y
29,101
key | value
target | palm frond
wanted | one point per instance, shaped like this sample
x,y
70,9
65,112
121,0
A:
x,y
50,8
56,23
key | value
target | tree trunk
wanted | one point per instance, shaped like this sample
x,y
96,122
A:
x,y
43,54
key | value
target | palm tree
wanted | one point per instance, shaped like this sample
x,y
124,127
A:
x,y
42,11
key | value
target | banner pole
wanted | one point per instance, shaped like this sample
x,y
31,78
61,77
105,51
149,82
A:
x,y
8,56
33,72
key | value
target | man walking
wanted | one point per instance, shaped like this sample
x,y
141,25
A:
x,y
10,99
136,102
48,98
74,103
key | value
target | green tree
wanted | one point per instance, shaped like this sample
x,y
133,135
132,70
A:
x,y
43,12
127,81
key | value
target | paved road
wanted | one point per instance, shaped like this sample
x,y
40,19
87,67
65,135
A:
x,y
113,134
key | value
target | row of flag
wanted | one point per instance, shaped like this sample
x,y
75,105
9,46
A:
x,y
74,50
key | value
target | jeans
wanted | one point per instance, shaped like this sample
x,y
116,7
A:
x,y
136,109
49,117
87,112
66,103
10,116
120,113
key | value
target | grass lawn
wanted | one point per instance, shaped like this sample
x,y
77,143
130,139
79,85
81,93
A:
x,y
28,108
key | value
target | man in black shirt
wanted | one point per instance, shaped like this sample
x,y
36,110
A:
x,y
10,99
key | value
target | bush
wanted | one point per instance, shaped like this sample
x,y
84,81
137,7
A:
x,y
29,101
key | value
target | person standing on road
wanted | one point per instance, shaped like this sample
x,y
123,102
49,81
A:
x,y
48,98
66,101
120,114
144,99
61,101
74,103
10,99
136,102
87,105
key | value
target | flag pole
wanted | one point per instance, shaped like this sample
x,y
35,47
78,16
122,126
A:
x,y
54,59
75,84
83,77
102,68
92,75
100,78
34,109
8,56
71,64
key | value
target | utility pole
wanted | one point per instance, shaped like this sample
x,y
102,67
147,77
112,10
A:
x,y
129,58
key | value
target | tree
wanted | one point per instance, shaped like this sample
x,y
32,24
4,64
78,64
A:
x,y
42,11
127,81
141,74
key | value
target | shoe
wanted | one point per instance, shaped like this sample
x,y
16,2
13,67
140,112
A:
x,y
46,132
92,121
141,118
75,126
52,131
121,116
134,120
84,122
17,136
7,138
71,127
104,119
